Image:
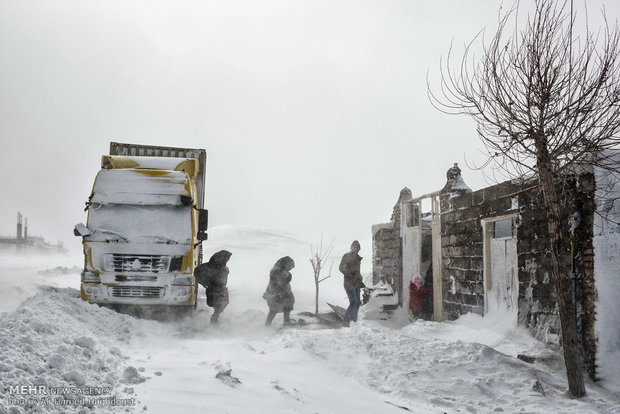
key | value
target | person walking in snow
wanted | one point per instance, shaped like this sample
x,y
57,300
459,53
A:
x,y
417,302
213,275
279,295
353,283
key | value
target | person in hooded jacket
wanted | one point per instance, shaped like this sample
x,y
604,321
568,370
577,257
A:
x,y
417,294
353,282
279,295
213,275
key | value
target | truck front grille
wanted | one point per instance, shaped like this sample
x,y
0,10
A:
x,y
137,292
135,278
128,263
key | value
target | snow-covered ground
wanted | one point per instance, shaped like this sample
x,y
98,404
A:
x,y
49,338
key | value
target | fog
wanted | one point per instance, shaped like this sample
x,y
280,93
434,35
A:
x,y
314,114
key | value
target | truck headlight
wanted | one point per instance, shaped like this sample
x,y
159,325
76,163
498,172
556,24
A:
x,y
182,280
90,277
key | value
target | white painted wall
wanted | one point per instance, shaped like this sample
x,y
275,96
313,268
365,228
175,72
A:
x,y
607,276
412,251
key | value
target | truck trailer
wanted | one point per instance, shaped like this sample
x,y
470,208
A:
x,y
145,224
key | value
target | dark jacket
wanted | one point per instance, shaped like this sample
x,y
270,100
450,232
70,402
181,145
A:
x,y
213,275
279,295
350,268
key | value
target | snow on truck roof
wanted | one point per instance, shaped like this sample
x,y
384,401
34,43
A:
x,y
190,165
141,187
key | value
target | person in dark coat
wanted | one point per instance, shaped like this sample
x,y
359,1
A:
x,y
353,283
428,297
279,295
213,275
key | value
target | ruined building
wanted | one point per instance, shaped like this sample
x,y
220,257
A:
x,y
487,250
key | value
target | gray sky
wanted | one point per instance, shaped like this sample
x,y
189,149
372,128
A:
x,y
314,114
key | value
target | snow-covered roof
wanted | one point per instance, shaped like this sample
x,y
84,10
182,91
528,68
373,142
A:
x,y
140,187
189,165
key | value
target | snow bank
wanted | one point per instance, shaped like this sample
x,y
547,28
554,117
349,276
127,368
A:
x,y
445,367
186,365
68,354
23,275
244,367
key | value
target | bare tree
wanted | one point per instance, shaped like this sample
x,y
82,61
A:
x,y
317,259
544,100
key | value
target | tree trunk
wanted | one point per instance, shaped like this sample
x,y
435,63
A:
x,y
316,299
562,278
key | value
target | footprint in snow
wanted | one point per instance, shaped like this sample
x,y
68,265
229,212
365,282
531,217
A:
x,y
276,385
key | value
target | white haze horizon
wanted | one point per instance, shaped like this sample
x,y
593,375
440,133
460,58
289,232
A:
x,y
314,114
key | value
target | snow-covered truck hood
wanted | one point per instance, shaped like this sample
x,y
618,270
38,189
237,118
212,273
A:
x,y
141,187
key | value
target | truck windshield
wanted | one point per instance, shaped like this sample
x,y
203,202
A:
x,y
150,224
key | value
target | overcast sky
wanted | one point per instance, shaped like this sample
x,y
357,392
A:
x,y
314,114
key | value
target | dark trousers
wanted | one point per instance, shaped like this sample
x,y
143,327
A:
x,y
272,314
217,310
354,305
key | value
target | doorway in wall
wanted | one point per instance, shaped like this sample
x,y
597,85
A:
x,y
417,236
411,236
501,273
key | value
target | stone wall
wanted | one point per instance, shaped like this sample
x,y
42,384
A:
x,y
462,244
463,262
387,248
387,254
537,297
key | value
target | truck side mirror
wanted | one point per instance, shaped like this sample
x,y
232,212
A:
x,y
203,220
81,230
203,224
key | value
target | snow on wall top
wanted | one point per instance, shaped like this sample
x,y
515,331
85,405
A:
x,y
146,187
459,184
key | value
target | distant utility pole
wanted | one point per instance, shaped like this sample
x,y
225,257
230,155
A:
x,y
18,238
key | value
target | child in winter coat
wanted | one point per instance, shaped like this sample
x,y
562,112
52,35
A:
x,y
417,302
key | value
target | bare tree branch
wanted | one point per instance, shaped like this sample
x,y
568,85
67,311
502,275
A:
x,y
544,102
317,259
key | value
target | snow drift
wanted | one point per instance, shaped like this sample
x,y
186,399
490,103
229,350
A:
x,y
93,357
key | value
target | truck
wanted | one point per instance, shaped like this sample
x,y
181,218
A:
x,y
145,226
